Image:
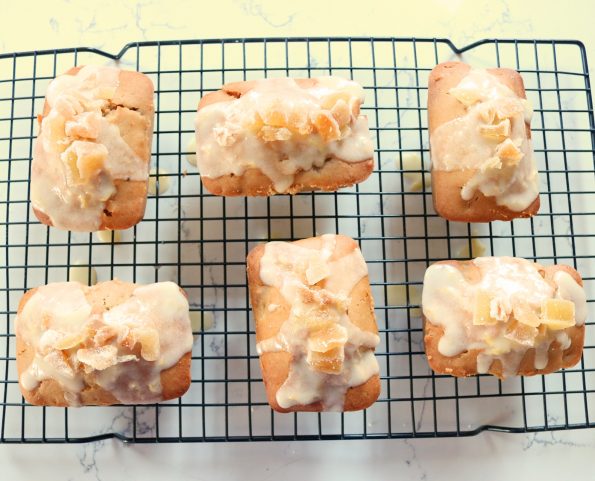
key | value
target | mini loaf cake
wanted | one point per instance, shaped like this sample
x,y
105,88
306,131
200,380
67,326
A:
x,y
115,342
480,144
282,135
315,324
504,316
91,161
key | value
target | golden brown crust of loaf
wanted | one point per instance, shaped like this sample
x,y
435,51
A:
x,y
465,364
334,174
446,186
275,365
175,381
132,110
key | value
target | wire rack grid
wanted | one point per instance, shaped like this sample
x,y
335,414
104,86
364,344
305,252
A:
x,y
201,241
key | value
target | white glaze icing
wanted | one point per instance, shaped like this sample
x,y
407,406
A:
x,y
568,289
318,290
448,300
76,344
459,144
79,152
273,127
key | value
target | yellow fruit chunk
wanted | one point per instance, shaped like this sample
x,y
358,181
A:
x,y
558,314
521,333
481,310
498,131
526,315
326,126
509,153
467,96
329,362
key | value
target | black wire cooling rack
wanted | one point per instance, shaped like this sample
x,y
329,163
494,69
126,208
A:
x,y
201,241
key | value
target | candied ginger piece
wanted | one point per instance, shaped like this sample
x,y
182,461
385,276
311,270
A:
x,y
467,96
481,310
326,336
558,314
508,152
98,358
149,341
329,362
521,333
270,134
487,114
326,126
499,131
84,160
525,314
274,116
341,112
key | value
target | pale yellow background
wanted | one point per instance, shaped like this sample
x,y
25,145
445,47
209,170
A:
x,y
109,24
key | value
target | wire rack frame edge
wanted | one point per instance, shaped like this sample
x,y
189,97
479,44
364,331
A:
x,y
414,402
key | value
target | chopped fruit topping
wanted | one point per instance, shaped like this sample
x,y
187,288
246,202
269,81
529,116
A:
x,y
526,315
558,314
298,122
508,152
270,134
341,112
329,362
274,116
466,96
481,310
498,131
326,126
521,333
326,336
99,358
328,102
488,114
149,341
84,161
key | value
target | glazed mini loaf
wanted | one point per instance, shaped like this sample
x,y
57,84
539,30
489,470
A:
x,y
480,144
504,316
315,324
282,135
114,342
91,162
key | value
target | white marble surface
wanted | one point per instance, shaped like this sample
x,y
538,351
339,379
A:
x,y
109,25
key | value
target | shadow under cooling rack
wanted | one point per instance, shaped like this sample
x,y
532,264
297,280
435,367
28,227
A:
x,y
201,241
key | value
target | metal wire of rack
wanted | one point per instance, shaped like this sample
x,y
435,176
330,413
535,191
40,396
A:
x,y
200,241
